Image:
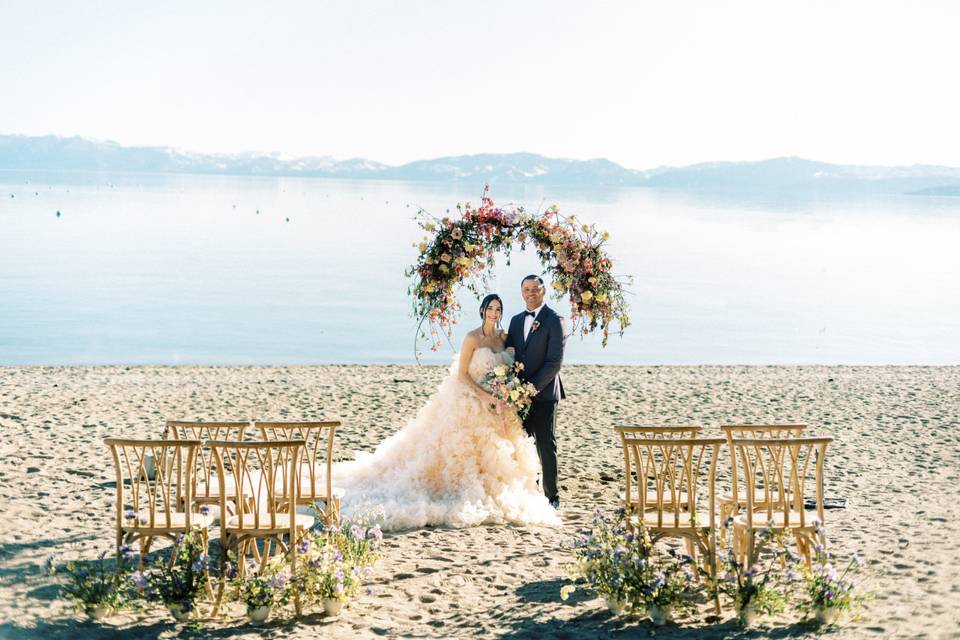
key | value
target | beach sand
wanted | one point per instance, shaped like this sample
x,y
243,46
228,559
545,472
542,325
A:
x,y
896,458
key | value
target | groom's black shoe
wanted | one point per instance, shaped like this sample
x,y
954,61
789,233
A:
x,y
555,502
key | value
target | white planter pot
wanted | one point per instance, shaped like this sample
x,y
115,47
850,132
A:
x,y
258,615
99,611
826,615
616,607
747,616
660,615
332,606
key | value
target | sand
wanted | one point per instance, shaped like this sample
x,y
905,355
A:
x,y
896,458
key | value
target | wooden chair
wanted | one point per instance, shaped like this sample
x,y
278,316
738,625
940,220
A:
x,y
150,507
630,434
778,474
263,472
206,486
731,503
671,469
315,479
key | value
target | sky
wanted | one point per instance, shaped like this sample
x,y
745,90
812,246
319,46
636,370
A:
x,y
641,83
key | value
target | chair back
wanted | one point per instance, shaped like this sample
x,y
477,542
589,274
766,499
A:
x,y
779,473
672,431
263,472
666,475
732,431
153,481
204,487
315,478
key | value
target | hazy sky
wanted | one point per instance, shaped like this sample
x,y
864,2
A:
x,y
641,83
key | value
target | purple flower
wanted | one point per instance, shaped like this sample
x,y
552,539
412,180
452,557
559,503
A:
x,y
231,570
375,533
204,509
127,552
358,533
129,514
278,581
139,579
303,546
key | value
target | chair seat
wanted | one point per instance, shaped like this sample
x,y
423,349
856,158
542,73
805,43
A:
x,y
176,520
742,498
674,520
761,518
652,499
204,492
317,490
282,522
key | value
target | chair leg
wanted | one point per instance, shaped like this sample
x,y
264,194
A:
x,y
221,583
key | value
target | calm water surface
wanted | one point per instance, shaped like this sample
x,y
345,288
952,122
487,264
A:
x,y
183,269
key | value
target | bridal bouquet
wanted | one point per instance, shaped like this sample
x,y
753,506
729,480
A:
x,y
504,382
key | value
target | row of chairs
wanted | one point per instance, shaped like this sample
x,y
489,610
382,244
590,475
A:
x,y
201,473
775,476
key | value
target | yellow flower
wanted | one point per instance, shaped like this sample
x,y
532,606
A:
x,y
592,280
464,261
605,235
601,297
444,268
500,370
430,226
586,228
586,296
422,246
566,590
514,395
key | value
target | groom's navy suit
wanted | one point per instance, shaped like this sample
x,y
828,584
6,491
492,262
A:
x,y
542,354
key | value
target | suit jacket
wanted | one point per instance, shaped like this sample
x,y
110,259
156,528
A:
x,y
541,353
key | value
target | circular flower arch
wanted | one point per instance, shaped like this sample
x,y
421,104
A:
x,y
460,252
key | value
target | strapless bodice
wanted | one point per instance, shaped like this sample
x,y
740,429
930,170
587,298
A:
x,y
484,359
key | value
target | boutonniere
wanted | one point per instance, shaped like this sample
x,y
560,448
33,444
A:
x,y
534,326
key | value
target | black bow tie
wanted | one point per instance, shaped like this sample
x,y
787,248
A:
x,y
532,314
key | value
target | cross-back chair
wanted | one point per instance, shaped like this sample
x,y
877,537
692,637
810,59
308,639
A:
x,y
730,504
630,434
779,474
151,505
206,487
314,482
676,472
264,472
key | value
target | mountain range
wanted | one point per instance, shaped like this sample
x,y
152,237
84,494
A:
x,y
54,153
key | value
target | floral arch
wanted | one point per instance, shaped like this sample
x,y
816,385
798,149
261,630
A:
x,y
459,252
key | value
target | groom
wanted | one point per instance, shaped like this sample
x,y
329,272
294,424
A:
x,y
537,336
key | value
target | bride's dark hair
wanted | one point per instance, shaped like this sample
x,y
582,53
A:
x,y
486,303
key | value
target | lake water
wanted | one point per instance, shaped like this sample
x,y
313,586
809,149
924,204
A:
x,y
176,269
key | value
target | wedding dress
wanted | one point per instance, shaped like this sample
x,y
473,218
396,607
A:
x,y
457,463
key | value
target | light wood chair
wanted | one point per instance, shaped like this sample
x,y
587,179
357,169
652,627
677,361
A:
x,y
672,470
263,472
150,507
630,434
731,503
315,479
779,473
206,486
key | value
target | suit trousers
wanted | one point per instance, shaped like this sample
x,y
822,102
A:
x,y
541,423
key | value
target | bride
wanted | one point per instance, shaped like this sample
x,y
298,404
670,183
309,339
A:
x,y
463,460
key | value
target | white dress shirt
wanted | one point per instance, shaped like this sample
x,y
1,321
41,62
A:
x,y
528,320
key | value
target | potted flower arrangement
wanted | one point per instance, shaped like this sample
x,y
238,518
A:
x,y
334,562
614,562
826,592
324,575
97,588
669,585
761,589
260,592
179,582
